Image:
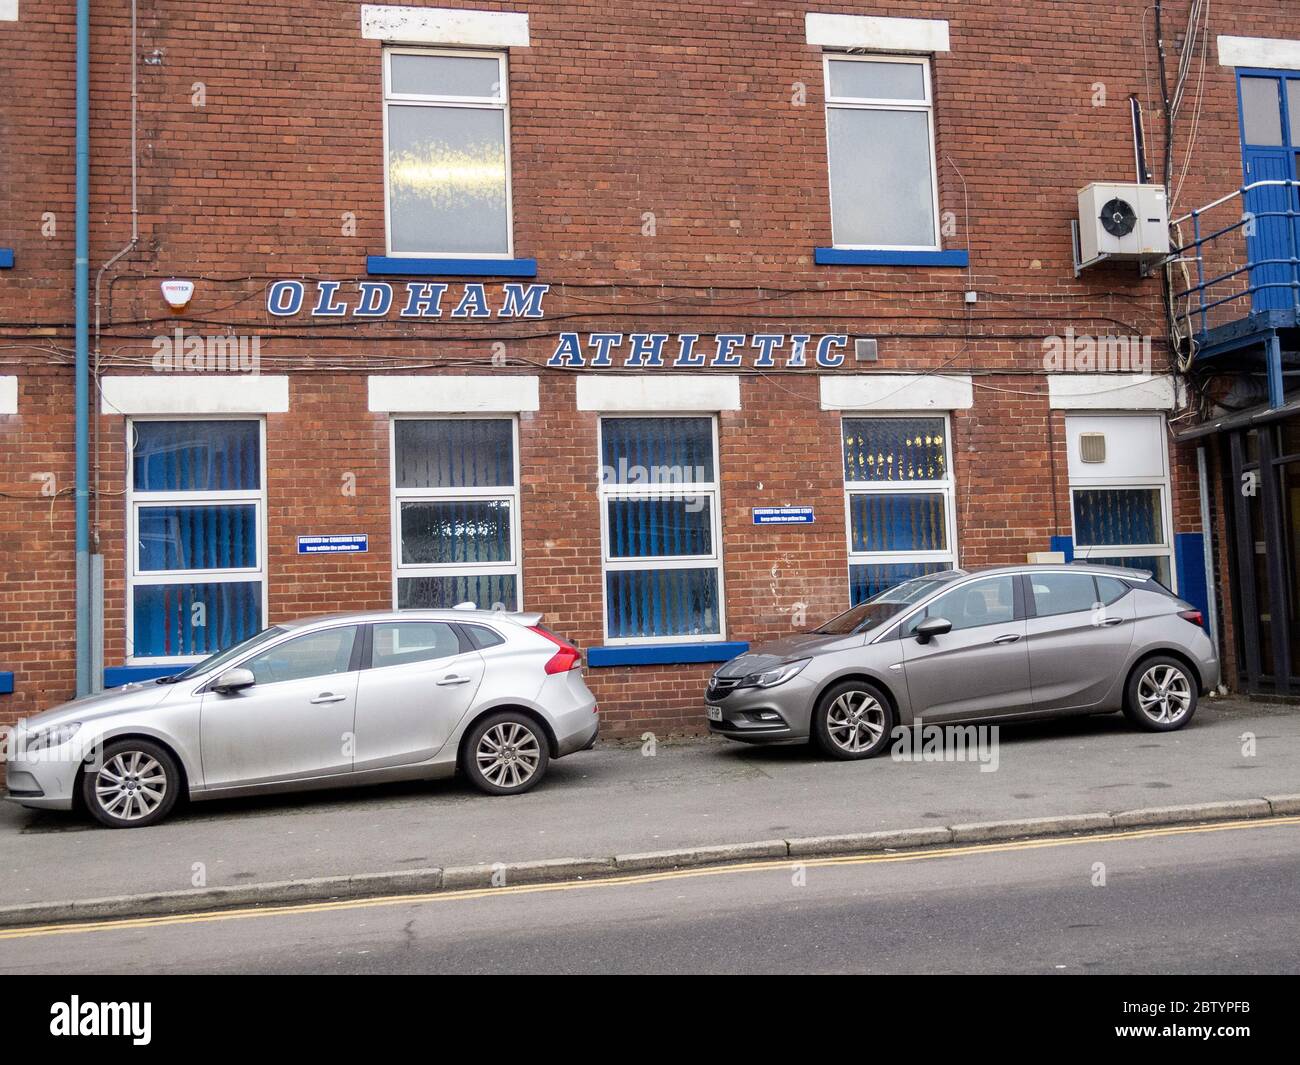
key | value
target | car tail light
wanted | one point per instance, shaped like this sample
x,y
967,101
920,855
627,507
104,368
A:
x,y
1194,616
566,658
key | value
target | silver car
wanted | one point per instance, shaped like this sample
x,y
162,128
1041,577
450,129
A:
x,y
348,699
1011,642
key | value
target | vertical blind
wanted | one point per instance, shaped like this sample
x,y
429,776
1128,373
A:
x,y
192,541
455,453
218,456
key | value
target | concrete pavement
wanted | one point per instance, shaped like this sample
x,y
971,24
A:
x,y
1214,899
619,800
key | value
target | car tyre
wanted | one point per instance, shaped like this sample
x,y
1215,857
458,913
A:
x,y
852,720
1161,694
506,753
135,783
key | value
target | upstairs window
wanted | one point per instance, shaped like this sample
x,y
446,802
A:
x,y
880,139
198,557
447,154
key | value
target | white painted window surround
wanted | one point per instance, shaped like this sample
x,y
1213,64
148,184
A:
x,y
877,33
1274,53
1094,391
897,392
8,395
8,10
195,394
436,394
643,393
444,26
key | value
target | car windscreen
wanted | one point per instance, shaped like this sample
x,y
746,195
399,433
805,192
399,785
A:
x,y
222,657
885,606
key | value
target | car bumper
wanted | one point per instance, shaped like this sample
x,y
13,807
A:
x,y
765,715
40,784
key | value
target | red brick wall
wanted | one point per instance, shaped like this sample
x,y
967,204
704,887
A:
x,y
683,110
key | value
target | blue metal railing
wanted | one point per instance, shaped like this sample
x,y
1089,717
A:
x,y
1252,261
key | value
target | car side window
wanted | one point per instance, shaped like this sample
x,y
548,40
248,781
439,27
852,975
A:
x,y
1110,590
1062,593
482,638
318,654
987,602
401,643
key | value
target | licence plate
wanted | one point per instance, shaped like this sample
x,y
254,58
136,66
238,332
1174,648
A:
x,y
714,712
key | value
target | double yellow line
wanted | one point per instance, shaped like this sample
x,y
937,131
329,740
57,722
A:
x,y
132,923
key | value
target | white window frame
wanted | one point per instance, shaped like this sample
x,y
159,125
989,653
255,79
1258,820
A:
x,y
137,501
855,103
1165,550
501,104
456,495
945,486
711,489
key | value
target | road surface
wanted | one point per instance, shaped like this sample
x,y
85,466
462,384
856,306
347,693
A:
x,y
1195,899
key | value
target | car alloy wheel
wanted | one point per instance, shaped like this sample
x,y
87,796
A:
x,y
508,754
134,783
855,721
131,785
1164,693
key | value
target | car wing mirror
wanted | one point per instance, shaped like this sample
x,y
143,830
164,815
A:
x,y
233,680
930,628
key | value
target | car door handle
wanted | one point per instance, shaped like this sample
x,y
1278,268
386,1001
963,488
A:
x,y
1010,637
1110,621
452,679
328,697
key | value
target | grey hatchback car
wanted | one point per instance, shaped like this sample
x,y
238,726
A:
x,y
326,702
1016,642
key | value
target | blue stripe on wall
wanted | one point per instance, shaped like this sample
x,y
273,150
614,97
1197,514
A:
x,y
6,258
869,257
665,654
383,265
6,683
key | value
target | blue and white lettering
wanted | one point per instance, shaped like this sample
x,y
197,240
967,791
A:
x,y
604,344
767,343
284,298
473,304
687,355
518,303
376,299
825,357
568,352
326,305
647,349
727,355
423,299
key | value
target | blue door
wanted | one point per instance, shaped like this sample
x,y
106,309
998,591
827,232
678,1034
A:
x,y
1270,144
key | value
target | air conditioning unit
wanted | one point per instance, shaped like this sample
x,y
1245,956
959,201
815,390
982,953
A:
x,y
1122,221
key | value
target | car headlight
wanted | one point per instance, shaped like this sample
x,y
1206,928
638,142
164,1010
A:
x,y
772,677
56,736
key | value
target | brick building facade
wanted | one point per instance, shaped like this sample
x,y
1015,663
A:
x,y
660,169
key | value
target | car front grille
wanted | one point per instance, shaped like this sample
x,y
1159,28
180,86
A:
x,y
721,687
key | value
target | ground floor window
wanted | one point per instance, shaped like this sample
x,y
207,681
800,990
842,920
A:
x,y
1119,492
661,528
456,512
899,500
197,516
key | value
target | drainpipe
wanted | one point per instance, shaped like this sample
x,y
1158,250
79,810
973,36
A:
x,y
82,336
